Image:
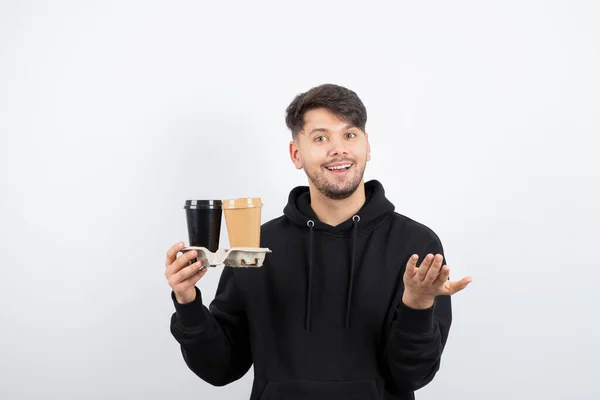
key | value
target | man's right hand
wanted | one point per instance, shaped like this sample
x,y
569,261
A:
x,y
183,277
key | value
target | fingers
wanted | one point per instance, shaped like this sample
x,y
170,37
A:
x,y
424,267
184,273
429,269
191,281
181,272
181,262
189,271
172,253
411,266
434,270
431,278
442,278
195,278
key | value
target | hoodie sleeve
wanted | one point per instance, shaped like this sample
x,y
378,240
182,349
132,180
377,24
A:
x,y
214,341
416,338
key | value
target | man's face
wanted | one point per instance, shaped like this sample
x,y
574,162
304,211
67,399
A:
x,y
332,153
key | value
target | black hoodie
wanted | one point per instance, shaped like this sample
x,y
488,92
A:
x,y
323,317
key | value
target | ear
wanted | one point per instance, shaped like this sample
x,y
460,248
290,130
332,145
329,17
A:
x,y
368,147
295,154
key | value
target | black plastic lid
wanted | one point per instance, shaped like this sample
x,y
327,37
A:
x,y
202,204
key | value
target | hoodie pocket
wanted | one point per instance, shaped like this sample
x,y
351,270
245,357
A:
x,y
365,389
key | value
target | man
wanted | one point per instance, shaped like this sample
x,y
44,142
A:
x,y
354,300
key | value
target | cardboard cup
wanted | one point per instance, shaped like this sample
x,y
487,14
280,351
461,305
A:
x,y
203,223
243,217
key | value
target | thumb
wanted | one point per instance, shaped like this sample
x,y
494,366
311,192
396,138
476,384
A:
x,y
455,287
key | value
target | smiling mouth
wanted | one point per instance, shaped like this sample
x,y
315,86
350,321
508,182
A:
x,y
341,167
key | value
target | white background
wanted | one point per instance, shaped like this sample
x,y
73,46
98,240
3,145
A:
x,y
484,125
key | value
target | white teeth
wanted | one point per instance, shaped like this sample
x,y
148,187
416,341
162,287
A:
x,y
339,167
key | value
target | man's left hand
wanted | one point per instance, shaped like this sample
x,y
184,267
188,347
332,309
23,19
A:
x,y
430,279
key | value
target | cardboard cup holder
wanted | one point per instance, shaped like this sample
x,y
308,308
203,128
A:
x,y
238,257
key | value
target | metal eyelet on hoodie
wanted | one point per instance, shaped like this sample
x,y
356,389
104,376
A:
x,y
310,223
356,218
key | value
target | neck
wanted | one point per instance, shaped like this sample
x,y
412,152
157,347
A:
x,y
334,212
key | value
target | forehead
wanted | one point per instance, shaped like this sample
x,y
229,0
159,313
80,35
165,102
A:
x,y
325,119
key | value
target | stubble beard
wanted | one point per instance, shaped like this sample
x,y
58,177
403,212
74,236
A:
x,y
336,190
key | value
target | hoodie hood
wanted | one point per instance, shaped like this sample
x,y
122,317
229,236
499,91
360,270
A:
x,y
376,205
299,211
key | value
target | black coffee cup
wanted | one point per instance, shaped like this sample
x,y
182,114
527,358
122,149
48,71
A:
x,y
204,223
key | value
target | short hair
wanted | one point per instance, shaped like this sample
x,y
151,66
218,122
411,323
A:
x,y
342,102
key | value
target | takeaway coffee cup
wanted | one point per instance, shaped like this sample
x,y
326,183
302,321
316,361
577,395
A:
x,y
242,217
204,223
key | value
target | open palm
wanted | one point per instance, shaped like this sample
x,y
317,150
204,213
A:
x,y
430,279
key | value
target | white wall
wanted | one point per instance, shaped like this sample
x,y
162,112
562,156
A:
x,y
484,125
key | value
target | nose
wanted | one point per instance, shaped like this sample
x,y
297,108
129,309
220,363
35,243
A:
x,y
337,148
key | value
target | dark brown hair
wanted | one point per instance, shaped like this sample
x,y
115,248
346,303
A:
x,y
342,102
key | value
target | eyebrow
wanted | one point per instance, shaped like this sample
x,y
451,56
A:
x,y
349,126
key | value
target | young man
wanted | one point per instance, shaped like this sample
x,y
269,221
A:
x,y
354,300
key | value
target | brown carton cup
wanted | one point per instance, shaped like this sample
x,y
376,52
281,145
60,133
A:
x,y
243,217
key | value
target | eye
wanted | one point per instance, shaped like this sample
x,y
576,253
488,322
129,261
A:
x,y
320,138
351,135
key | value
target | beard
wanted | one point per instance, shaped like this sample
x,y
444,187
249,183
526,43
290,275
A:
x,y
336,188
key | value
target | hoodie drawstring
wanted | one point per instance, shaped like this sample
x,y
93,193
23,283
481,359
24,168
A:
x,y
355,219
310,225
